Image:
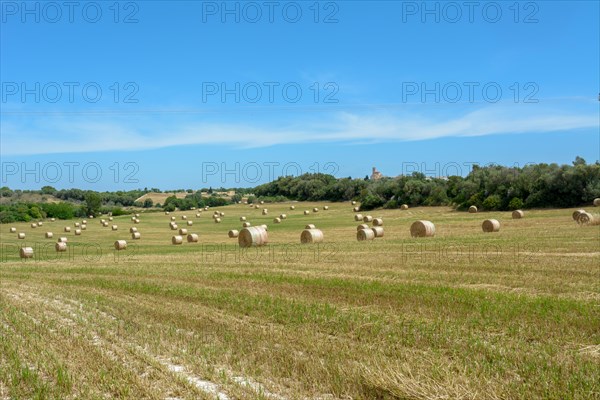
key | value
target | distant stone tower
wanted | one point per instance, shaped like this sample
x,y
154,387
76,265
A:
x,y
376,175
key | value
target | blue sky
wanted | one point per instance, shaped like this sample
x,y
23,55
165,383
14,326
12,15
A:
x,y
194,94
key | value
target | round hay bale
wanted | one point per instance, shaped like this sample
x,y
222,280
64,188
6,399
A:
x,y
306,212
277,220
183,217
283,216
265,227
63,240
192,208
49,235
137,221
110,218
362,226
325,208
192,238
133,229
378,231
34,225
367,218
183,231
353,203
377,222
172,218
120,245
422,229
136,235
67,229
246,224
217,220
114,227
60,247
52,219
518,214
262,202
206,208
177,240
365,234
585,218
133,218
105,224
26,252
315,210
472,209
137,215
13,230
356,209
265,211
310,226
174,227
256,206
242,219
190,223
84,221
233,233
597,202
311,236
198,215
21,235
102,221
83,227
40,223
222,214
576,213
253,236
167,213
358,217
77,232
292,207
491,225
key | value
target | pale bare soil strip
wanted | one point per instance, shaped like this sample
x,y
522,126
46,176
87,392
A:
x,y
94,326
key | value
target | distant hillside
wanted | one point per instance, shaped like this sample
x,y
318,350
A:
x,y
29,198
160,197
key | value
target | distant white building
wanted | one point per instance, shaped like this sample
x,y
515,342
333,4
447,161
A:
x,y
376,175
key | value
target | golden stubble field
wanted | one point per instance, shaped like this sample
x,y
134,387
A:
x,y
462,315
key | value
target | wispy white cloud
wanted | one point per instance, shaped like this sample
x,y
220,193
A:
x,y
92,134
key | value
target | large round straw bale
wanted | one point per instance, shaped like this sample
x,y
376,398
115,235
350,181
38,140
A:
x,y
166,213
576,213
292,207
137,215
40,223
315,209
365,234
378,231
265,211
206,208
177,239
353,203
84,222
362,226
34,225
67,229
242,219
49,235
472,209
283,216
183,231
422,229
310,226
60,246
137,221
518,214
306,212
173,226
114,227
83,227
133,229
120,245
21,235
136,235
184,217
277,220
105,224
26,252
358,217
256,206
356,209
233,233
77,232
52,219
63,239
585,218
102,221
377,222
367,218
253,236
217,220
198,215
133,218
311,236
13,230
325,208
222,214
192,208
190,223
597,202
110,218
262,202
491,225
246,224
192,238
172,218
